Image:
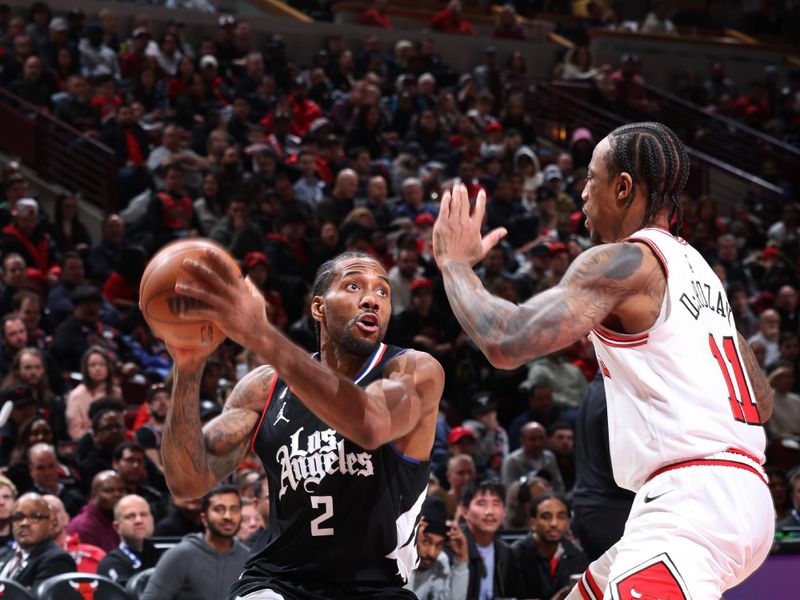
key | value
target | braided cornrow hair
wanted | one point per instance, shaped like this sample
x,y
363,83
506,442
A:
x,y
656,158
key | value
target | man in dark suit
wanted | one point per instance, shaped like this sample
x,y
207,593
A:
x,y
35,556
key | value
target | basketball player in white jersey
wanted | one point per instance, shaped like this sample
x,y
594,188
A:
x,y
686,399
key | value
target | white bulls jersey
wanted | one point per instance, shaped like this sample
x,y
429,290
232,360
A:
x,y
679,390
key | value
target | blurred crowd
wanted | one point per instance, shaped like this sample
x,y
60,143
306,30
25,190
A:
x,y
287,165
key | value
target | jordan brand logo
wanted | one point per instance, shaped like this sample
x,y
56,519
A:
x,y
281,416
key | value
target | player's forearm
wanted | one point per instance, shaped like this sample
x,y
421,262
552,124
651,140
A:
x,y
761,387
335,399
509,335
183,449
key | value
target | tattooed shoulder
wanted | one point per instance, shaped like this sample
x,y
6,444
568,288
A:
x,y
252,389
612,262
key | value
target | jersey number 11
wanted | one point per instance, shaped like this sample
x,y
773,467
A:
x,y
744,408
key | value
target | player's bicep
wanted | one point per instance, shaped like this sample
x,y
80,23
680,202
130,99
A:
x,y
410,390
593,287
230,431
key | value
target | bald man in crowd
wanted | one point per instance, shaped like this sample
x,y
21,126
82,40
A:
x,y
95,523
133,521
341,201
532,456
86,556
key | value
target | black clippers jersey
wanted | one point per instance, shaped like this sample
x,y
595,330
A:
x,y
339,514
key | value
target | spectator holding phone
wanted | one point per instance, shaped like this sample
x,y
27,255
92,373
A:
x,y
435,578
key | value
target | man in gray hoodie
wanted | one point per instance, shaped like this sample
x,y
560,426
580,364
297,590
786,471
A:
x,y
203,565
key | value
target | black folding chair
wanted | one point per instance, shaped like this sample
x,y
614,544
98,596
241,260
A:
x,y
78,586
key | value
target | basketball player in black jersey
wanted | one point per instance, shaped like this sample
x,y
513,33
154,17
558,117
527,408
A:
x,y
345,435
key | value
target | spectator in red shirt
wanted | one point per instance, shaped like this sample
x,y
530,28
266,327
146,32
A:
x,y
94,523
376,15
449,20
303,111
86,556
135,59
752,107
122,287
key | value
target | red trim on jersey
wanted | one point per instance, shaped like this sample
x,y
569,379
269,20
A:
x,y
652,245
263,412
621,337
582,589
743,453
593,584
708,462
616,340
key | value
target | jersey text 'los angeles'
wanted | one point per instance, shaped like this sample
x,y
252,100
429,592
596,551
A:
x,y
339,514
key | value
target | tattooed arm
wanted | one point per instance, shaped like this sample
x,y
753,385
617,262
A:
x,y
510,335
761,387
195,457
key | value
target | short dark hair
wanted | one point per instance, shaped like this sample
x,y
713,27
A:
x,y
174,167
102,406
559,425
132,446
18,298
68,255
549,496
328,270
489,486
257,486
216,491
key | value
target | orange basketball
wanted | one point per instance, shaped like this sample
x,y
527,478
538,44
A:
x,y
163,308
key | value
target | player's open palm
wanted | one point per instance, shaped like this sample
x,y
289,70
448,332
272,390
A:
x,y
457,232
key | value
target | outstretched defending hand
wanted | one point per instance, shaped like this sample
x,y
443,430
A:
x,y
457,232
233,303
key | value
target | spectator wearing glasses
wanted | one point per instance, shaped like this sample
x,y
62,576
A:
x,y
35,556
95,452
94,524
130,464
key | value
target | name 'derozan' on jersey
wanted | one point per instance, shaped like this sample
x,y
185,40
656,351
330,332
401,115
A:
x,y
703,295
322,455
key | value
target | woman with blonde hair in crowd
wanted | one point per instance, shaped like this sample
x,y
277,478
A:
x,y
97,373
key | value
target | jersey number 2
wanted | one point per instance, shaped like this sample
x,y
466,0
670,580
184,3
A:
x,y
326,502
744,408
